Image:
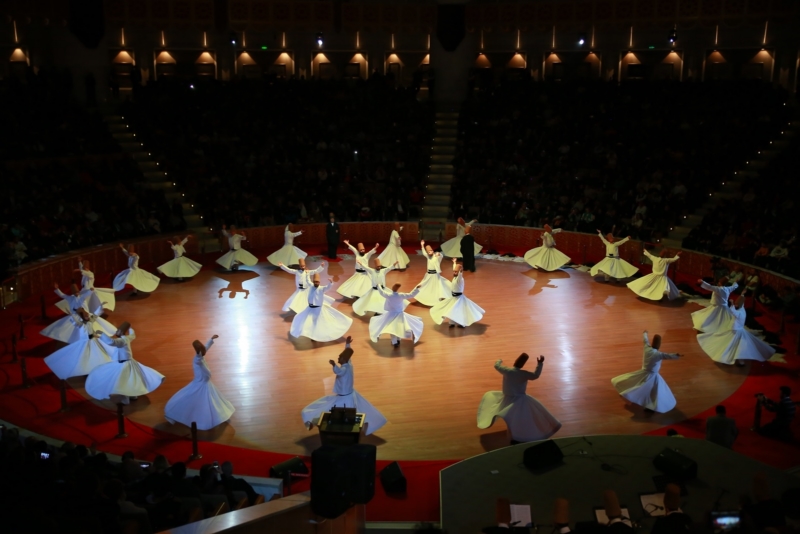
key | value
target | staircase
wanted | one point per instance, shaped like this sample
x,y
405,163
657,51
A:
x,y
155,178
436,205
731,188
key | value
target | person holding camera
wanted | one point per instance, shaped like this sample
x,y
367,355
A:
x,y
784,409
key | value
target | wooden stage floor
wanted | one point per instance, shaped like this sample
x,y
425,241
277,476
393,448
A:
x,y
588,331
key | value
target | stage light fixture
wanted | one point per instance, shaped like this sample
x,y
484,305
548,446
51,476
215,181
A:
x,y
319,39
234,38
581,39
673,35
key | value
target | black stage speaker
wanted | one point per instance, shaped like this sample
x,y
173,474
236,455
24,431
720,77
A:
x,y
542,456
362,468
293,466
675,465
392,479
341,476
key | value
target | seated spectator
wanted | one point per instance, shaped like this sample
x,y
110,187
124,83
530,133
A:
x,y
784,409
114,489
721,429
751,281
674,519
233,484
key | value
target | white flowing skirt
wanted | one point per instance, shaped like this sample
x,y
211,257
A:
x,y
392,254
320,324
78,359
527,419
547,258
372,301
614,267
287,255
232,257
434,288
355,286
727,347
400,324
458,309
298,301
140,279
101,298
452,247
645,389
65,330
201,403
181,267
654,287
130,379
713,319
372,417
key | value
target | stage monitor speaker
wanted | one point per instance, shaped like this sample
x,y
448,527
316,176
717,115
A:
x,y
361,460
293,466
676,465
392,479
330,481
542,456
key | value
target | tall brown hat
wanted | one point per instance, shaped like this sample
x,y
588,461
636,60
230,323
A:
x,y
548,228
429,249
378,263
521,360
74,289
502,511
561,512
123,328
316,277
397,226
672,497
361,247
301,262
611,504
199,348
396,287
461,221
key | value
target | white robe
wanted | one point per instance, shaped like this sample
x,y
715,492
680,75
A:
x,y
716,317
199,401
236,254
612,265
645,387
547,257
319,321
344,396
527,419
79,358
434,286
394,320
656,284
359,283
99,297
70,329
288,254
735,344
452,247
180,266
123,375
70,303
140,279
394,252
298,301
372,300
458,309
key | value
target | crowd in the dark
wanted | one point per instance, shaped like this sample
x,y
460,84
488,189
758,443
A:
x,y
598,155
73,489
261,152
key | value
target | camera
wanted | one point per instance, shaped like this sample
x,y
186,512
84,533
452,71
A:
x,y
144,465
44,455
724,521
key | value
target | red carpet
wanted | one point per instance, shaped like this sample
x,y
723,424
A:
x,y
36,409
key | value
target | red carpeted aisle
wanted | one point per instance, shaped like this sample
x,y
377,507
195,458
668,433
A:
x,y
36,408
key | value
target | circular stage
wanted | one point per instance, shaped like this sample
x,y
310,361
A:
x,y
588,331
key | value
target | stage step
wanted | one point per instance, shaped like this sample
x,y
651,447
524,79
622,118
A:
x,y
437,200
442,158
446,132
437,188
435,211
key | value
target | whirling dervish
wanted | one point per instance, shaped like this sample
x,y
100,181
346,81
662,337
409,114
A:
x,y
452,247
715,317
320,321
298,301
645,387
99,298
80,357
657,284
394,321
288,254
344,396
372,300
612,266
736,344
199,402
394,254
140,279
180,266
69,304
236,256
457,308
434,287
70,329
123,376
526,418
547,257
359,283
